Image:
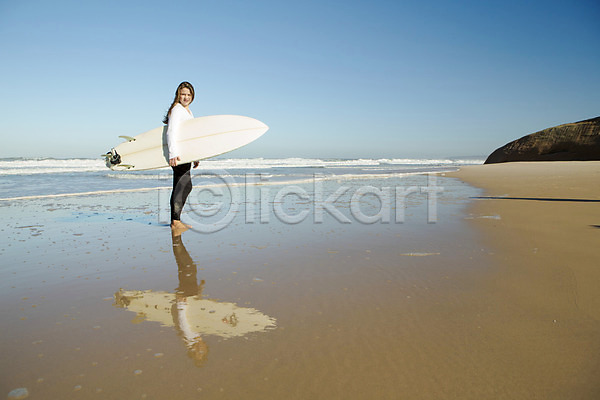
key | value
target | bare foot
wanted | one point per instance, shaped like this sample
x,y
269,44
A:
x,y
179,224
178,227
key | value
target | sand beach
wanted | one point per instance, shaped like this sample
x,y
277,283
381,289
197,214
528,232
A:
x,y
541,218
494,299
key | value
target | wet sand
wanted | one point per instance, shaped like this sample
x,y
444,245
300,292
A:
x,y
413,310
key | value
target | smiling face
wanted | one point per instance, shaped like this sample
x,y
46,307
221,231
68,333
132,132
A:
x,y
185,97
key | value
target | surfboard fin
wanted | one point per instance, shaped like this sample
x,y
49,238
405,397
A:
x,y
128,138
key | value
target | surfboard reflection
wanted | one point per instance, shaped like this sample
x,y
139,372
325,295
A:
x,y
192,316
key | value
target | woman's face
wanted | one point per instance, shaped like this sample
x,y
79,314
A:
x,y
185,97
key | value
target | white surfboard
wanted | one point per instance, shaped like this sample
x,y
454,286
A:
x,y
202,316
199,138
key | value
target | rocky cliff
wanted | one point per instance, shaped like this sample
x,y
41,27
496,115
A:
x,y
579,141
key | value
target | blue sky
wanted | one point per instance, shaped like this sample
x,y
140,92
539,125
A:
x,y
331,78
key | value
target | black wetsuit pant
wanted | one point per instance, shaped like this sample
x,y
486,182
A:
x,y
182,186
187,270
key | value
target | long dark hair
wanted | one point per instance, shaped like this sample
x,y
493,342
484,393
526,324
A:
x,y
182,85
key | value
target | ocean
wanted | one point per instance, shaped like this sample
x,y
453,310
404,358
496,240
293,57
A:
x,y
51,177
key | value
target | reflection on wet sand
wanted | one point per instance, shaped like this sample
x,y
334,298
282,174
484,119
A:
x,y
191,315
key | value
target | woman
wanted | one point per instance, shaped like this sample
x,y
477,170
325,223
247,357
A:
x,y
182,180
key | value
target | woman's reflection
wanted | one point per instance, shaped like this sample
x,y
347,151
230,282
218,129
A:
x,y
190,314
188,286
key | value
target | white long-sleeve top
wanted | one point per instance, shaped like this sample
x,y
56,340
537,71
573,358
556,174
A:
x,y
189,335
178,115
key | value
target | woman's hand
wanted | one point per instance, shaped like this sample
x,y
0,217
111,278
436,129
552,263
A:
x,y
173,161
